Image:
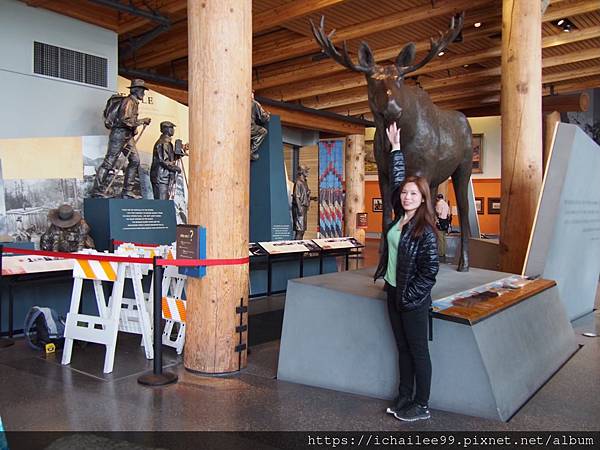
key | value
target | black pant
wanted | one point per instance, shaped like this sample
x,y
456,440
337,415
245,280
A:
x,y
410,331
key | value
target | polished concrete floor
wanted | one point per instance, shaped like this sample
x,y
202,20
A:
x,y
39,394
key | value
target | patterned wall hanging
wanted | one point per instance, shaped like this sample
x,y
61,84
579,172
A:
x,y
331,196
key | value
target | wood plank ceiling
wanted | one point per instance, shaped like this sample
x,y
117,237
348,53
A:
x,y
288,65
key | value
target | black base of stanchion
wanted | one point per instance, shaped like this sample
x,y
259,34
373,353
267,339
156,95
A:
x,y
6,342
152,379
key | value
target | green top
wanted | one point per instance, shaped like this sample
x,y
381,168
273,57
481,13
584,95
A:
x,y
393,238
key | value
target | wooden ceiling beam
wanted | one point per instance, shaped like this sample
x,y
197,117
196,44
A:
x,y
304,120
571,74
305,45
264,80
267,80
457,100
172,46
168,7
298,119
348,80
288,12
300,46
359,94
562,11
88,12
177,94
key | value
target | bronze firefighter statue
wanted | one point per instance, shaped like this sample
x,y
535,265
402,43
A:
x,y
121,117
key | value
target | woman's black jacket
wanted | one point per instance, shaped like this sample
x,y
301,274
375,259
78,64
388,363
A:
x,y
417,261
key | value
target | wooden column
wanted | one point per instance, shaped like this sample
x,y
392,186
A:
x,y
220,62
355,184
550,121
521,106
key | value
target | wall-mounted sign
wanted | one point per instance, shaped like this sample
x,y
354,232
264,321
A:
x,y
362,220
191,244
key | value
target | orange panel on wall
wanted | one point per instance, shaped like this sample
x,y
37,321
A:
x,y
484,188
371,192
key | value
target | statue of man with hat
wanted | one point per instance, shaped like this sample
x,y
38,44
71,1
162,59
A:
x,y
121,116
68,232
165,167
300,202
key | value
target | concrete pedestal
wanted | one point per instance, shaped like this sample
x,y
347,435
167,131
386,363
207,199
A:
x,y
336,335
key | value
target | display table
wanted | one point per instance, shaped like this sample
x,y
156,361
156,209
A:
x,y
488,360
284,260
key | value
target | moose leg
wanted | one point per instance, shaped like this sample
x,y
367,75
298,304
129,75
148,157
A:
x,y
460,181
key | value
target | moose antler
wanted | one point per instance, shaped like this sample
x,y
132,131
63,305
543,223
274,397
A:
x,y
437,45
324,41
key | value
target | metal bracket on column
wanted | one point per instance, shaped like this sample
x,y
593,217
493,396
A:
x,y
240,348
241,328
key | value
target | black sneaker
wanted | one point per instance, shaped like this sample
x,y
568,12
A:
x,y
400,402
413,412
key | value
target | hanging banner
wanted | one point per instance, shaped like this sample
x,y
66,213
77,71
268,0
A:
x,y
331,196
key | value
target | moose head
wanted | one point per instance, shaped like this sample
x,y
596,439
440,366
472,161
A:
x,y
386,83
436,143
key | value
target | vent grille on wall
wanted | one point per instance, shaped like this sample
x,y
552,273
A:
x,y
59,62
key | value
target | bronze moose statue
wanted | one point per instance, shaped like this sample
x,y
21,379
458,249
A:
x,y
436,143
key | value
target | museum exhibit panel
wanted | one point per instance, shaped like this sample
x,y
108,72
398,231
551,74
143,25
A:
x,y
199,194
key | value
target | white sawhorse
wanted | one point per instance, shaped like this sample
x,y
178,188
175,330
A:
x,y
173,308
100,329
134,316
136,313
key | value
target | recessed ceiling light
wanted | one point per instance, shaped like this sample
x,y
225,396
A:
x,y
441,53
477,24
560,22
567,28
465,65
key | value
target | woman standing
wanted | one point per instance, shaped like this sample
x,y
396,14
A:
x,y
409,265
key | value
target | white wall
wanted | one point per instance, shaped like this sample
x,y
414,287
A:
x,y
491,129
36,106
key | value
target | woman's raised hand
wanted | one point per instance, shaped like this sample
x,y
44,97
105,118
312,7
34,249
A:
x,y
393,134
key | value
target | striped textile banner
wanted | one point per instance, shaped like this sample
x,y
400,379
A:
x,y
331,196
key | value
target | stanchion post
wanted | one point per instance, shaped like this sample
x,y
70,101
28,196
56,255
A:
x,y
157,377
3,341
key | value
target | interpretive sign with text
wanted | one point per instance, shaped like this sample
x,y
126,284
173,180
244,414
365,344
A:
x,y
279,247
337,243
189,246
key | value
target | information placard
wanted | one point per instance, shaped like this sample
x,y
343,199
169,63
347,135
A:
x,y
16,265
362,220
190,239
280,247
338,243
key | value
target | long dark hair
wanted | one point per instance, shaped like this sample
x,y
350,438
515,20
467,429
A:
x,y
424,215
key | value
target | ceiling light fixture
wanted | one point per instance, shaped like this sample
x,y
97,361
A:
x,y
560,22
567,27
441,53
477,24
465,65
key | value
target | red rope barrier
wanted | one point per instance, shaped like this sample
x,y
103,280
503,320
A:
x,y
65,255
202,262
126,259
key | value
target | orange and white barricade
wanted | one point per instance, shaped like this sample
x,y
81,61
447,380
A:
x,y
173,308
135,314
100,329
